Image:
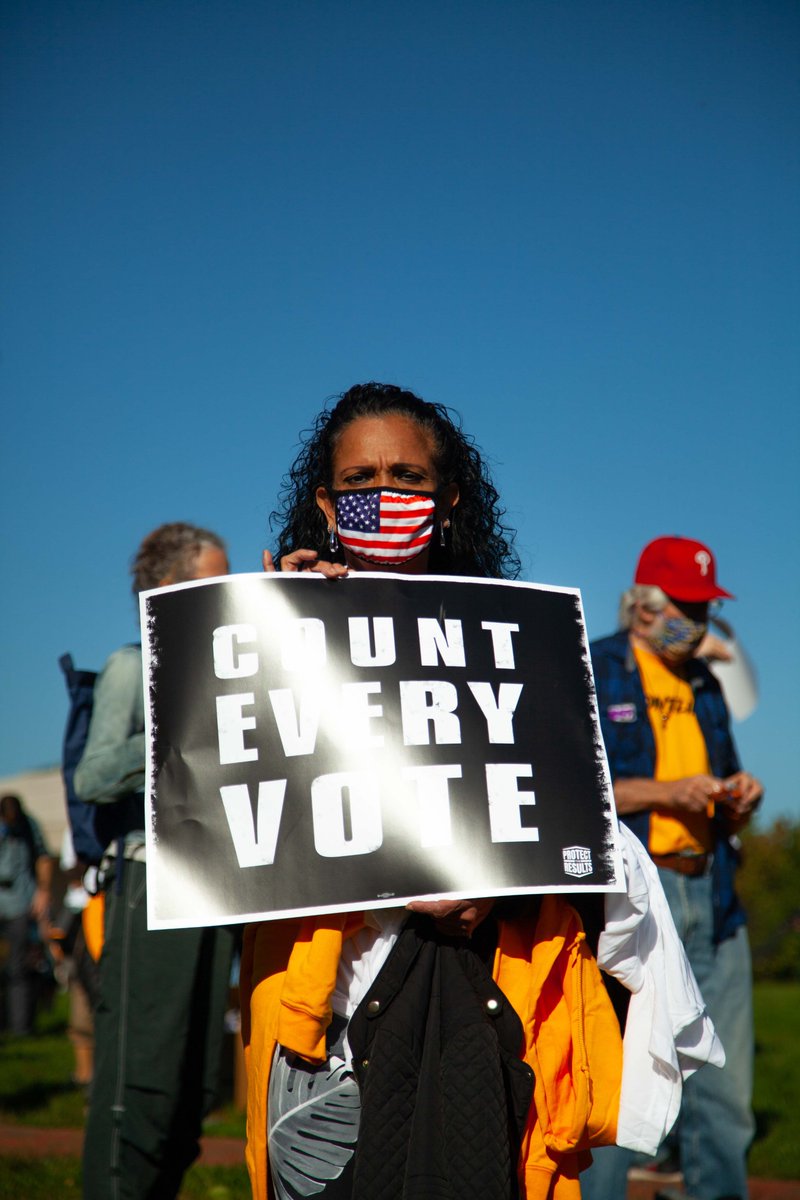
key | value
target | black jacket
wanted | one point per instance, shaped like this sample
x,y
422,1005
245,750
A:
x,y
444,1093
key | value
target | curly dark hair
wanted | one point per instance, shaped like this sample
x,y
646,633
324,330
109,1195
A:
x,y
478,543
169,552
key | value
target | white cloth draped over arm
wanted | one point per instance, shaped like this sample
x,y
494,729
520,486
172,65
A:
x,y
668,1033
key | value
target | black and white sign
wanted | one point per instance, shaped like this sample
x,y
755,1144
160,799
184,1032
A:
x,y
319,745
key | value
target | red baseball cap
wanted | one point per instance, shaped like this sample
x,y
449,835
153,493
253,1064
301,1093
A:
x,y
684,569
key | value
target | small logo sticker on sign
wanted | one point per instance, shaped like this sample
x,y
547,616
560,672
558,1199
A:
x,y
577,860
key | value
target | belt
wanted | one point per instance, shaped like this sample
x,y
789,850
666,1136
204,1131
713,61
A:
x,y
132,852
684,864
111,867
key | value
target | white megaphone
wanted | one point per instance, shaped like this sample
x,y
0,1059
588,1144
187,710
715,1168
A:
x,y
737,675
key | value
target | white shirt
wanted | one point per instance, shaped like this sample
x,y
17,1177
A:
x,y
668,1033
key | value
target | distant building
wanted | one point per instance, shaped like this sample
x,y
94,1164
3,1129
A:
x,y
42,794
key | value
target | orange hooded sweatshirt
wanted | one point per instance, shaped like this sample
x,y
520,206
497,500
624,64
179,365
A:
x,y
544,967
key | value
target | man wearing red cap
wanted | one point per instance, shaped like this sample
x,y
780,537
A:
x,y
679,786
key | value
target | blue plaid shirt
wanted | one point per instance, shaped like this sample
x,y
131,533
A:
x,y
631,751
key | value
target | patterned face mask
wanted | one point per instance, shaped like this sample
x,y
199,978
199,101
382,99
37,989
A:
x,y
385,526
677,638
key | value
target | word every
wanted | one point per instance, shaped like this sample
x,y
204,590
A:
x,y
347,708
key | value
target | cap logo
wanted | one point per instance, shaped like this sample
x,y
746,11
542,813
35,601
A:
x,y
703,559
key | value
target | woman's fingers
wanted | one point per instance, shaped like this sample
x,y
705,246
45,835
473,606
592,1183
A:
x,y
304,560
455,918
299,560
438,909
329,570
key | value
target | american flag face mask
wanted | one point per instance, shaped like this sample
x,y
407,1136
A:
x,y
385,526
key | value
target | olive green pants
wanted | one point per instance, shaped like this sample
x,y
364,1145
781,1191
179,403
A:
x,y
158,1039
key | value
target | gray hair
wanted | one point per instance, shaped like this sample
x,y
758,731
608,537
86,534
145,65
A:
x,y
646,594
169,552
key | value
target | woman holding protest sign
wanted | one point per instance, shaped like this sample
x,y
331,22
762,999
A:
x,y
444,1049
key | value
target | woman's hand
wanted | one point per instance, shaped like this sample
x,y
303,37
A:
x,y
454,918
304,560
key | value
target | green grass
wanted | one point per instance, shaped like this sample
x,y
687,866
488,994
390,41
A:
x,y
776,1150
44,1178
35,1085
35,1090
40,1178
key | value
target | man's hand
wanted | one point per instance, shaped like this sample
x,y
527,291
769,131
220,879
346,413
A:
x,y
693,792
454,918
40,904
741,794
714,648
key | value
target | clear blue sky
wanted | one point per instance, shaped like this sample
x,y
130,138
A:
x,y
575,222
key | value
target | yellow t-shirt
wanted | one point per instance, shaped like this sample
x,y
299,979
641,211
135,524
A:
x,y
680,751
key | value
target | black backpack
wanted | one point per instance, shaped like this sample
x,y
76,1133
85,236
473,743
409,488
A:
x,y
86,838
93,826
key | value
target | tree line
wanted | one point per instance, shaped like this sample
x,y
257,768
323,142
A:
x,y
768,884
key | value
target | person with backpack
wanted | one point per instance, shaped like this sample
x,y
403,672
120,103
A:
x,y
26,871
159,1019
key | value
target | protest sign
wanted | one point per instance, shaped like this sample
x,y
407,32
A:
x,y
318,745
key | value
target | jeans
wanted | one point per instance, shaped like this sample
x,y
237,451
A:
x,y
715,1125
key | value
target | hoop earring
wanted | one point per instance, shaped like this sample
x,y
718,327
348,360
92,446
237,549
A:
x,y
333,540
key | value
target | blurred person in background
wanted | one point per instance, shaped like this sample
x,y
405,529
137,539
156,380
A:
x,y
679,786
26,873
163,993
75,969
